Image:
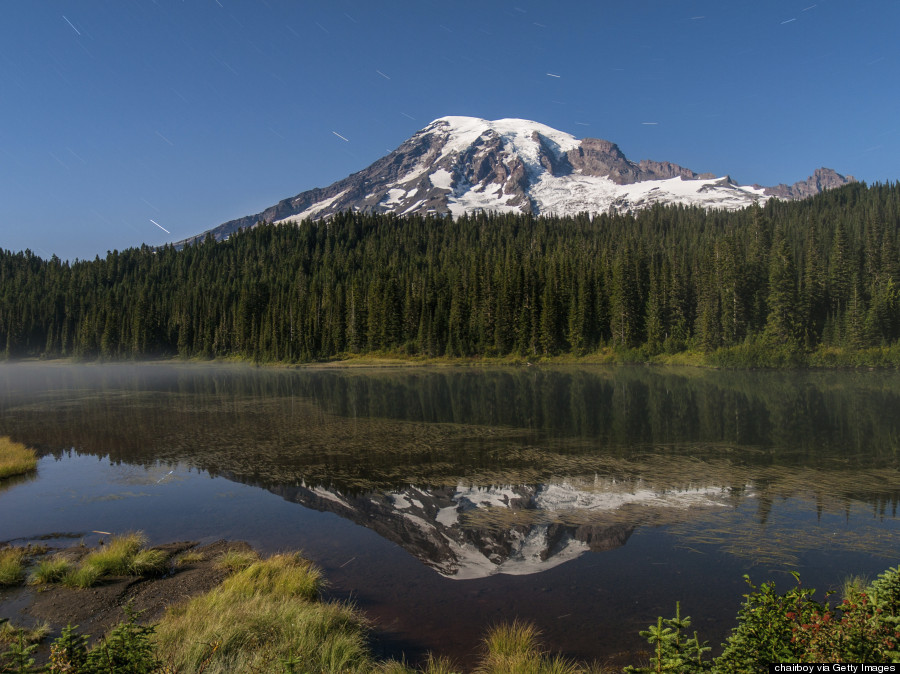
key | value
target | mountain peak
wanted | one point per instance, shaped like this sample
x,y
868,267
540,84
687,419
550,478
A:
x,y
458,165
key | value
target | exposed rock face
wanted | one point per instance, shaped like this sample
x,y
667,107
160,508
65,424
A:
x,y
822,179
459,165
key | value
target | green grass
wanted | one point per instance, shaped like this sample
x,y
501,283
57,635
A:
x,y
122,556
236,560
82,577
15,458
280,576
114,558
148,563
265,617
515,647
12,565
188,558
51,570
9,634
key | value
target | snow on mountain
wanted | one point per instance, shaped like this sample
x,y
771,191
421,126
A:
x,y
474,531
460,165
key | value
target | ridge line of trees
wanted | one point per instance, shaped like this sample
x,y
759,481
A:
x,y
795,275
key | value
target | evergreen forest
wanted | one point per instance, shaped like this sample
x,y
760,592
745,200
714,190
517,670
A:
x,y
769,284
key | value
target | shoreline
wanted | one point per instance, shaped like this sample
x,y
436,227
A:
x,y
753,357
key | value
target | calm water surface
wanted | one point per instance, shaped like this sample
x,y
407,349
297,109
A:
x,y
441,501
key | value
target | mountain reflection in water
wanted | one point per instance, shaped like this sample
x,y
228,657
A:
x,y
472,532
585,499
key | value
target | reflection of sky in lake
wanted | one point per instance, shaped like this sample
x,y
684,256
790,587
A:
x,y
547,490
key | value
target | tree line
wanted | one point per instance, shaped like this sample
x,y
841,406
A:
x,y
791,275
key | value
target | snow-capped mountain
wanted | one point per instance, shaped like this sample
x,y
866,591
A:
x,y
475,531
461,165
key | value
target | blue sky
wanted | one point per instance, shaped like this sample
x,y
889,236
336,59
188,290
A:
x,y
115,114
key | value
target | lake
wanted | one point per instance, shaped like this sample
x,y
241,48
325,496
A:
x,y
443,500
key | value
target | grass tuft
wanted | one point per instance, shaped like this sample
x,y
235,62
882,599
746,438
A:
x,y
236,560
114,559
440,665
853,586
284,576
150,562
9,634
82,577
190,557
514,647
12,565
247,625
51,570
509,639
15,458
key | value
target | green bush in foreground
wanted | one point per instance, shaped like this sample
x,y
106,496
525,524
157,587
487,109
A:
x,y
791,627
267,617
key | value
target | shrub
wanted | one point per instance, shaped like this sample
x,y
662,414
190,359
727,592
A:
x,y
792,627
127,648
17,646
68,654
672,650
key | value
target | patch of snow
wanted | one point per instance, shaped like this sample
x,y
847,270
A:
x,y
574,193
442,178
609,495
321,492
419,523
463,131
399,501
312,210
412,208
393,198
419,169
448,516
486,497
482,198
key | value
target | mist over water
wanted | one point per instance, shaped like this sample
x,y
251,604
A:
x,y
442,500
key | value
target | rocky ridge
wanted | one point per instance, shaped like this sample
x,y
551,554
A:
x,y
460,165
